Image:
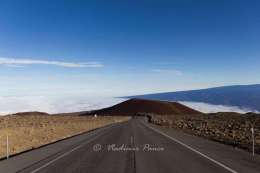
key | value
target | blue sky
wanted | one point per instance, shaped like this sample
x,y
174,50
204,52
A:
x,y
115,48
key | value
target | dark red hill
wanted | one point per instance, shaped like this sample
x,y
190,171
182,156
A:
x,y
134,106
30,113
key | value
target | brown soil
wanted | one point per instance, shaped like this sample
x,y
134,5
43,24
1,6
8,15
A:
x,y
227,127
33,129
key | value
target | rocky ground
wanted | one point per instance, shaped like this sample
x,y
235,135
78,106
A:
x,y
31,130
229,128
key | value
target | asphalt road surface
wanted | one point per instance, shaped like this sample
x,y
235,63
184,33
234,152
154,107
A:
x,y
131,147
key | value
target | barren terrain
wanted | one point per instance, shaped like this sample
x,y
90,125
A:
x,y
31,130
226,127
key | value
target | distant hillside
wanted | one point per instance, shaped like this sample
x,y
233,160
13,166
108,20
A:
x,y
134,106
30,113
244,96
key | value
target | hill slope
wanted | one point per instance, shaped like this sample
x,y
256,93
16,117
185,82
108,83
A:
x,y
134,106
243,96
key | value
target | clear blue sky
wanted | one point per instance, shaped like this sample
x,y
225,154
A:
x,y
118,48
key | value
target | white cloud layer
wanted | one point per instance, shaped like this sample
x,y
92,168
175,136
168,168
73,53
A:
x,y
12,104
210,108
15,62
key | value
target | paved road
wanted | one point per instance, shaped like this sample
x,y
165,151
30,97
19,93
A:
x,y
132,147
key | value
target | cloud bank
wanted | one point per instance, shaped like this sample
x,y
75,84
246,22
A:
x,y
13,104
210,108
14,62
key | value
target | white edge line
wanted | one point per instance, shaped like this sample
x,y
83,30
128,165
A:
x,y
192,149
67,153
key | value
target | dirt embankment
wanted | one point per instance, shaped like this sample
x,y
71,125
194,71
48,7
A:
x,y
229,128
31,130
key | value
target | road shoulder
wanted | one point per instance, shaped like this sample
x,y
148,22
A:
x,y
21,161
228,155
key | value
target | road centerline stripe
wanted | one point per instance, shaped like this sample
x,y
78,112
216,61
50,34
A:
x,y
192,149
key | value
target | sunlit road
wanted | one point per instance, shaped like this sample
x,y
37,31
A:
x,y
131,147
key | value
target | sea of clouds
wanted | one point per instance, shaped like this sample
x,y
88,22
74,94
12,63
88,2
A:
x,y
13,104
210,108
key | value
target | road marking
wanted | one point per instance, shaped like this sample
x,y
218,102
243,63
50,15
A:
x,y
61,156
192,149
68,152
132,140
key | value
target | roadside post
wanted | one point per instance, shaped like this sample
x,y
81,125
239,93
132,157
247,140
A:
x,y
7,138
253,141
7,146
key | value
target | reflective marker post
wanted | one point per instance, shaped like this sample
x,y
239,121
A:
x,y
7,137
253,141
7,146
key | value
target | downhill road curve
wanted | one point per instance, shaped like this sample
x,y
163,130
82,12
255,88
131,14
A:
x,y
130,147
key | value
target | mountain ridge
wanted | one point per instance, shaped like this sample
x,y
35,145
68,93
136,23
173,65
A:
x,y
243,96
